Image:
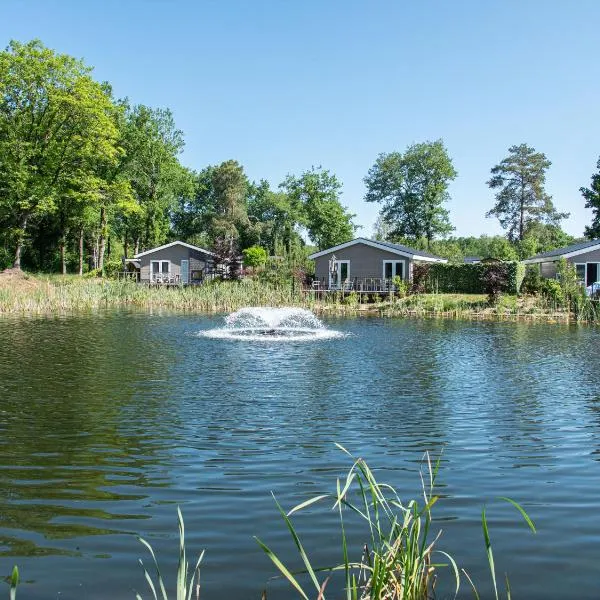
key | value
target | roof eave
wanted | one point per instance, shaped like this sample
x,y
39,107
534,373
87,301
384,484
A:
x,y
169,245
375,244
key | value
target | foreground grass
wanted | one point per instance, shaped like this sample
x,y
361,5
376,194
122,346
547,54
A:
x,y
399,557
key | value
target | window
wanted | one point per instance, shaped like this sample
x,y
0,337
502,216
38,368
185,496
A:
x,y
159,269
580,268
393,268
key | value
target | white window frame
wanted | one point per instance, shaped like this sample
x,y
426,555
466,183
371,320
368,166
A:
x,y
339,272
394,263
584,265
592,262
160,271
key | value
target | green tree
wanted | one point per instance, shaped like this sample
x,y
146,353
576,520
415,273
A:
x,y
413,188
229,194
152,145
521,198
275,218
592,200
55,121
255,256
542,237
315,195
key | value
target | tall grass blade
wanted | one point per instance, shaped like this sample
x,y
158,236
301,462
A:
x,y
475,592
284,571
488,550
158,574
149,580
522,511
338,503
14,582
301,550
303,505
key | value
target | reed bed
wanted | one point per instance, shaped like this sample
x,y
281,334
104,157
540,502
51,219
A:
x,y
66,294
47,294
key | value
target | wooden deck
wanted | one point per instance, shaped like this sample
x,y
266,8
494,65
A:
x,y
163,281
367,285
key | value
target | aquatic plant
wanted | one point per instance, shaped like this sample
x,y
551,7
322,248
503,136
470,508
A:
x,y
14,582
397,561
185,585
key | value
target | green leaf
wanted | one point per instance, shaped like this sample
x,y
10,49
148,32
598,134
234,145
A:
x,y
14,582
282,568
522,511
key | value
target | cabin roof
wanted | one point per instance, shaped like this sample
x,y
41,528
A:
x,y
177,243
566,252
388,246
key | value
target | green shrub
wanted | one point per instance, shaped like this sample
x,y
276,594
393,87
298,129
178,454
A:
x,y
553,291
112,267
351,299
6,259
402,286
469,278
532,282
255,256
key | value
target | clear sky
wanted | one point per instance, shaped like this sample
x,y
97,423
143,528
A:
x,y
281,85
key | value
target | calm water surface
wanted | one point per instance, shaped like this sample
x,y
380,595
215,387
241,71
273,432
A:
x,y
109,421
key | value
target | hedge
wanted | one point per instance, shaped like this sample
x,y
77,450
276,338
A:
x,y
468,278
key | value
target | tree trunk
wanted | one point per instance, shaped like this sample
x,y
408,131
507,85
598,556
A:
x,y
125,243
20,241
63,259
136,248
102,240
522,212
81,251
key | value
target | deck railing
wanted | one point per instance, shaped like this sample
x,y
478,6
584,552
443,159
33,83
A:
x,y
132,275
357,284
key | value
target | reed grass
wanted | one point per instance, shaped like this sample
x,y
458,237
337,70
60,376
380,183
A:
x,y
14,582
47,294
398,560
185,584
64,294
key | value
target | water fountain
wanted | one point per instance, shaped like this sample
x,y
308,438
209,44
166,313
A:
x,y
264,323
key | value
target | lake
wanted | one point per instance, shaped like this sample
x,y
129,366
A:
x,y
109,421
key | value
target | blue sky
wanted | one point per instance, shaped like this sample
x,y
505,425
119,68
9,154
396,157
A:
x,y
283,85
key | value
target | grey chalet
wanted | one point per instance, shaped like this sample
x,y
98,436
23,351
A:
x,y
585,256
366,265
174,263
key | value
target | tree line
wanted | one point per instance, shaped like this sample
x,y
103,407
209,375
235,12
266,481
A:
x,y
86,177
412,188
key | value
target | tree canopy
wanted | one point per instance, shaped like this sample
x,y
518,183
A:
x,y
521,198
413,188
592,200
87,178
315,197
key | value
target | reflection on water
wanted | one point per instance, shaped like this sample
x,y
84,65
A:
x,y
107,421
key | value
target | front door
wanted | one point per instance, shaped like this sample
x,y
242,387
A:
x,y
185,271
340,275
592,273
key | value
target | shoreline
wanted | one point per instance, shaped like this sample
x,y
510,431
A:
x,y
38,295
